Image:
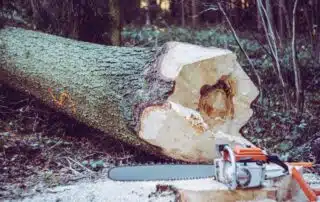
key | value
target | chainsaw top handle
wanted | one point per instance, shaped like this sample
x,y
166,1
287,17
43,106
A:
x,y
275,159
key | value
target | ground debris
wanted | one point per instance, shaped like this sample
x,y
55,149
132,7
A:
x,y
41,149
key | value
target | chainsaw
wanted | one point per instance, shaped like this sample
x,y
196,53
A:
x,y
241,167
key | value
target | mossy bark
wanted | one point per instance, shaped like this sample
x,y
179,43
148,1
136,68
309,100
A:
x,y
102,86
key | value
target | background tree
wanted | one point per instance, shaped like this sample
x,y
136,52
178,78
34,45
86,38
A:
x,y
116,22
194,5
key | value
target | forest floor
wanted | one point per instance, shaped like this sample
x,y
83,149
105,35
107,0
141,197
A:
x,y
40,148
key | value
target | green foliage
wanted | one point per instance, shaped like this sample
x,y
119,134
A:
x,y
219,37
3,139
285,146
303,55
94,164
216,36
150,36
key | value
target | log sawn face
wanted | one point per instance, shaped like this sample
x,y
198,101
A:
x,y
211,96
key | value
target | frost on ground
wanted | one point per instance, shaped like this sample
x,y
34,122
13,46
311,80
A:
x,y
108,190
104,191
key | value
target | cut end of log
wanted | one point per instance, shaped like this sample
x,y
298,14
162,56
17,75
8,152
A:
x,y
212,93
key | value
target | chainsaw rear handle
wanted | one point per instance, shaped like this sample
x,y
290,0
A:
x,y
275,159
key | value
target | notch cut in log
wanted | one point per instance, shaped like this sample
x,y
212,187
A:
x,y
173,101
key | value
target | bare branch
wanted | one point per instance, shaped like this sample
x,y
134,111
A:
x,y
70,167
239,44
297,75
268,28
79,164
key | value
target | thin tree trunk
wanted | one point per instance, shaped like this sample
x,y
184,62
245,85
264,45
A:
x,y
188,11
287,19
316,4
280,21
194,8
36,17
271,19
148,20
183,19
269,11
269,32
242,49
236,9
310,23
316,30
297,74
115,18
259,23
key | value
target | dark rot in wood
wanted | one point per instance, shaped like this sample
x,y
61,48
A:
x,y
223,89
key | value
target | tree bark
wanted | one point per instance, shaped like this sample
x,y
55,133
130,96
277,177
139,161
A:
x,y
269,11
148,20
271,39
172,101
287,19
183,22
115,19
296,69
194,9
259,23
280,20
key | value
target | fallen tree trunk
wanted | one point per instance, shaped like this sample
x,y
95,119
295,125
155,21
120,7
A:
x,y
171,101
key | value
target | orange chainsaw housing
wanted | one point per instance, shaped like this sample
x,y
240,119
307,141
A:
x,y
252,153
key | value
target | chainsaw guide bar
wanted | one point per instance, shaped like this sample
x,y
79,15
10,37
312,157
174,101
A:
x,y
240,167
161,172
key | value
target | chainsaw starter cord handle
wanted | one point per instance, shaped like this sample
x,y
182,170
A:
x,y
275,159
